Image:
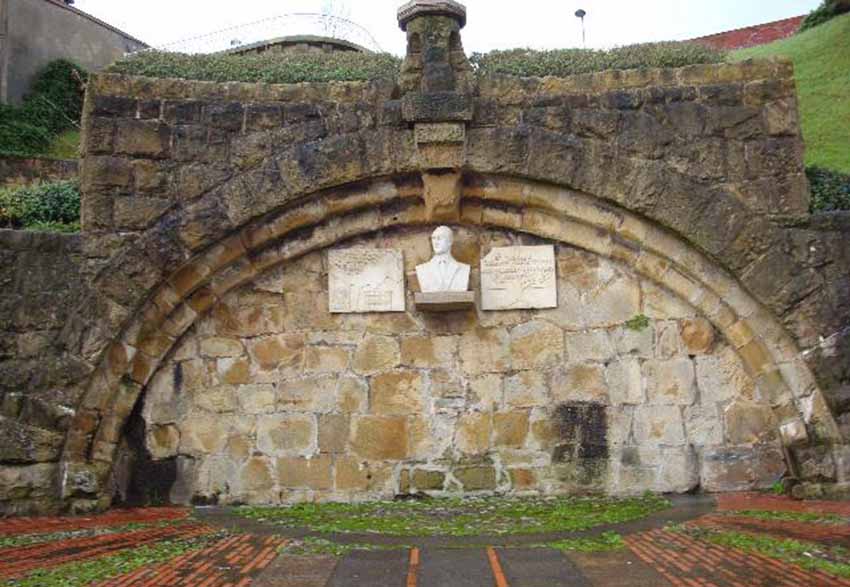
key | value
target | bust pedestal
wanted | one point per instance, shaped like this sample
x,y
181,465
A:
x,y
444,301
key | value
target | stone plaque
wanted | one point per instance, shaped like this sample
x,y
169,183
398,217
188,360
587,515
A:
x,y
365,280
516,278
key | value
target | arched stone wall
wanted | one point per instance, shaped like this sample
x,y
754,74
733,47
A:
x,y
332,216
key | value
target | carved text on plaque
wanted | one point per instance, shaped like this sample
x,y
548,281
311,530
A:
x,y
365,280
516,278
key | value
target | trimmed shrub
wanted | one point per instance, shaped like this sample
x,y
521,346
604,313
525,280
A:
x,y
54,104
49,206
828,10
566,62
830,189
269,68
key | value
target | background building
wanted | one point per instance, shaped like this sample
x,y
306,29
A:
x,y
36,32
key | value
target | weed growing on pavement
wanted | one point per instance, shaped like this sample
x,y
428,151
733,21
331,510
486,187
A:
x,y
821,518
31,539
605,542
811,556
311,546
79,574
460,516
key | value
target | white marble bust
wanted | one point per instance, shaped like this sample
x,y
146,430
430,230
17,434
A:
x,y
442,272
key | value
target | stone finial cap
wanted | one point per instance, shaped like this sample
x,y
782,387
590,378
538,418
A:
x,y
416,8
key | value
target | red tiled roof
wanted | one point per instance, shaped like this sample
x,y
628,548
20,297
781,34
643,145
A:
x,y
753,36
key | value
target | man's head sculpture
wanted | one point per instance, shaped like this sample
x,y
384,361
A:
x,y
442,272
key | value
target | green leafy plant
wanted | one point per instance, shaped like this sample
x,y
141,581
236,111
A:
x,y
638,323
268,67
830,189
54,104
53,207
827,10
607,541
566,62
816,517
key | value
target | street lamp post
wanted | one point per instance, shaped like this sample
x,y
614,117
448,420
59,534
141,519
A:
x,y
581,14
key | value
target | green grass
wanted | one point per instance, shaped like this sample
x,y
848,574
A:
x,y
792,516
79,574
808,555
821,59
605,542
459,517
65,145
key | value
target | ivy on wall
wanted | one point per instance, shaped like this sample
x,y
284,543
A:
x,y
830,189
54,104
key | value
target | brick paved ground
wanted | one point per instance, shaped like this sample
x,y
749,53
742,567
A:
x,y
774,503
831,534
657,557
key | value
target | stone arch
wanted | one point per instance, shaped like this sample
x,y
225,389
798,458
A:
x,y
521,205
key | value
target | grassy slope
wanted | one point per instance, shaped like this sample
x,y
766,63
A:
x,y
822,67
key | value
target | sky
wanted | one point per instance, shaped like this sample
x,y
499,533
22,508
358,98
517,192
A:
x,y
492,24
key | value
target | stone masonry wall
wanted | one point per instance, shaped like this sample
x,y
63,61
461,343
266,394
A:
x,y
40,282
690,177
273,399
15,171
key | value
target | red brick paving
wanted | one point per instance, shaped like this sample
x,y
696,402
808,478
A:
x,y
687,562
232,562
19,561
19,526
833,534
775,503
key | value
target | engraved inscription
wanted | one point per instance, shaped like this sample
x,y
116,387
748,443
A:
x,y
515,278
365,280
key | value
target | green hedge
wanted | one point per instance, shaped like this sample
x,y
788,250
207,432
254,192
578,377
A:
x,y
350,66
566,62
279,68
830,189
54,104
828,10
53,207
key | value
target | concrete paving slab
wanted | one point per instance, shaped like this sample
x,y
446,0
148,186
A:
x,y
459,567
539,567
621,568
372,568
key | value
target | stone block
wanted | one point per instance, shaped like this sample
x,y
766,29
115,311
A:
x,y
659,425
375,354
721,377
397,393
536,345
476,478
334,430
216,346
352,395
287,434
351,474
749,423
258,398
380,438
473,433
625,382
670,382
141,138
326,359
426,352
510,429
582,382
526,389
486,391
698,336
425,480
639,343
310,394
486,350
593,345
202,434
234,371
163,441
314,473
22,444
255,477
278,351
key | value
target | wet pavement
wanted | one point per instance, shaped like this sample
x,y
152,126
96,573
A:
x,y
245,553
